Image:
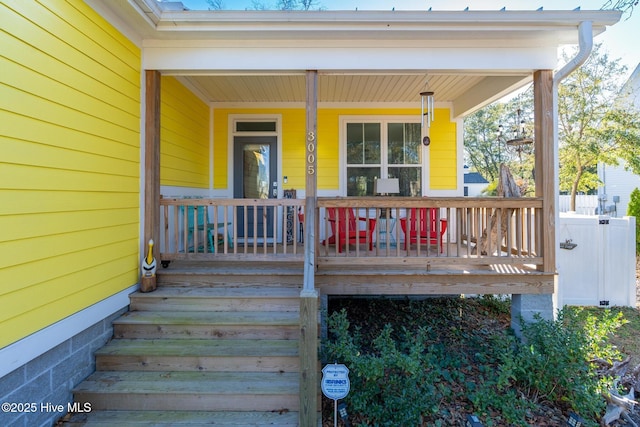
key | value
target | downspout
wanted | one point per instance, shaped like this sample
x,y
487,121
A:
x,y
585,43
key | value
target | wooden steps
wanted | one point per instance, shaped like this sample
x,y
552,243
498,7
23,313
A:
x,y
191,391
185,418
199,355
202,324
243,298
229,273
220,352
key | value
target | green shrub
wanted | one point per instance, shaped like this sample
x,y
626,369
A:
x,y
555,362
633,209
391,384
414,375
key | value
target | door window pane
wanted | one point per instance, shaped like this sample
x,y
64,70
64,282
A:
x,y
256,126
256,171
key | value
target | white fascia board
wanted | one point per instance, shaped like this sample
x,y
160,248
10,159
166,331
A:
x,y
322,58
477,28
298,23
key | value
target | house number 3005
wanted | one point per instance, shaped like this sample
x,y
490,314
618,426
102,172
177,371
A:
x,y
311,153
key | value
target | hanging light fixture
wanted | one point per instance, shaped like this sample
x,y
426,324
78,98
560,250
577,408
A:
x,y
427,111
519,141
518,133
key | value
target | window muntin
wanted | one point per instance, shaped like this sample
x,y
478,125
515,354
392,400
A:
x,y
383,149
363,143
403,144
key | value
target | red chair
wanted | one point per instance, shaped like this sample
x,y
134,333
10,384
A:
x,y
345,227
424,220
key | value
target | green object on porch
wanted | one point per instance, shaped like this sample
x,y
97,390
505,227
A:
x,y
202,217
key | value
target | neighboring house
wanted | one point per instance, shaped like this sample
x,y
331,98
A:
x,y
615,192
110,109
474,183
618,182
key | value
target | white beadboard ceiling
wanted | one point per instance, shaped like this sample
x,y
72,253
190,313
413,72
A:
x,y
333,87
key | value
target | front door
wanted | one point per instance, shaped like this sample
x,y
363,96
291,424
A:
x,y
255,177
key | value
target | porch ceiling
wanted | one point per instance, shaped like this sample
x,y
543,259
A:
x,y
334,87
463,92
469,58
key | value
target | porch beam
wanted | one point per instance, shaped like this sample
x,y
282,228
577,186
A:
x,y
152,156
544,164
309,297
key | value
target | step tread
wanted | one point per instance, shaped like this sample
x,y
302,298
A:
x,y
220,318
186,418
220,292
166,347
201,383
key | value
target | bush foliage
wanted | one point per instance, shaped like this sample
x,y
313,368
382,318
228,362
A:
x,y
434,363
633,209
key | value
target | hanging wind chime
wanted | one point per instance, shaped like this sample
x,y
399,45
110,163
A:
x,y
427,110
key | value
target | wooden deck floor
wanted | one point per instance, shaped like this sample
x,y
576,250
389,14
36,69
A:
x,y
343,276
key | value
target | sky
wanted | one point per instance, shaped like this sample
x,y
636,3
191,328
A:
x,y
620,41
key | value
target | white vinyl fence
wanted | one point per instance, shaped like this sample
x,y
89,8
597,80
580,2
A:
x,y
600,269
585,205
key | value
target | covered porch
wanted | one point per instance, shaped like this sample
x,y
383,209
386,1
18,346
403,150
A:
x,y
310,76
480,246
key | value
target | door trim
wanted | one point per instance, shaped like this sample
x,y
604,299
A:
x,y
232,119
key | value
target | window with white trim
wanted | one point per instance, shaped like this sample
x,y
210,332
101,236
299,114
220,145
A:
x,y
383,149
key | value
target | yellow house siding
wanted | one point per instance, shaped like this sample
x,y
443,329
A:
x,y
329,148
69,170
184,135
293,148
442,166
220,148
443,169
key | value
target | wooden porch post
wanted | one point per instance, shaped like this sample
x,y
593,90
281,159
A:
x,y
309,295
544,164
152,157
528,306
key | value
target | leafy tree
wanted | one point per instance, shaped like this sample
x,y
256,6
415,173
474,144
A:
x,y
483,153
594,125
485,150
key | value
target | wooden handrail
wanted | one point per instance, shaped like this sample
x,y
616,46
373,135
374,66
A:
x,y
488,230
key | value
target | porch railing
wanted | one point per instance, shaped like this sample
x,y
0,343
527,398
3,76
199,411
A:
x,y
199,228
387,230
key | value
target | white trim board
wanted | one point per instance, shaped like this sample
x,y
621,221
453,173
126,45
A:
x,y
21,352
